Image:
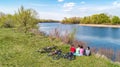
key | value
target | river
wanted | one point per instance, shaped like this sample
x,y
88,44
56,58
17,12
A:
x,y
98,37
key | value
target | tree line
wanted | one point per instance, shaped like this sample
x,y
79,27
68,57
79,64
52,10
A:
x,y
48,21
23,19
101,18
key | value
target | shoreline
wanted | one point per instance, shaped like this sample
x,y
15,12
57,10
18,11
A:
x,y
100,25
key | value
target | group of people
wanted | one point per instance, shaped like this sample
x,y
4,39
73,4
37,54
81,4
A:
x,y
80,51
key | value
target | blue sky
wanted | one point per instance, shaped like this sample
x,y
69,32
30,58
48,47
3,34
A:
x,y
58,9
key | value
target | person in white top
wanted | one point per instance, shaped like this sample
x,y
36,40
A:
x,y
87,51
77,53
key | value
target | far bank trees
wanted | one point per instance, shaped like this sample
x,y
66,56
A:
x,y
94,19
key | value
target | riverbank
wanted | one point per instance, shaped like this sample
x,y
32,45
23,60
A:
x,y
19,50
100,25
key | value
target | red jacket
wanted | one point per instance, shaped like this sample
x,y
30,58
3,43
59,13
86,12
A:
x,y
72,49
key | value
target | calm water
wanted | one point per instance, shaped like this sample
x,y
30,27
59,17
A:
x,y
94,36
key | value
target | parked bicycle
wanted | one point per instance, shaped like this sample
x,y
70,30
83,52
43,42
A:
x,y
68,56
47,49
56,53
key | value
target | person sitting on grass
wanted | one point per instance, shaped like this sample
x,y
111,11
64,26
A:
x,y
72,50
77,53
81,50
87,51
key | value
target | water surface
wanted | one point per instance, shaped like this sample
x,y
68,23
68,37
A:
x,y
94,36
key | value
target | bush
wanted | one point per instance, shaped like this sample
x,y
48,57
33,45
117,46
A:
x,y
8,25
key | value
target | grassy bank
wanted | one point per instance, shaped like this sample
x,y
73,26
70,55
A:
x,y
19,50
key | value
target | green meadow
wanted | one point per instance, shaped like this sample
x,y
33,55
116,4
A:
x,y
20,50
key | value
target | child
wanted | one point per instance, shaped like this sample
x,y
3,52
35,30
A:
x,y
87,51
81,50
77,53
72,49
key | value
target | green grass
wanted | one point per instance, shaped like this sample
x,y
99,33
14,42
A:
x,y
19,50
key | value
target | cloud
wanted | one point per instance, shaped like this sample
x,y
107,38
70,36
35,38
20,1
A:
x,y
8,10
37,5
60,0
68,6
97,8
116,3
82,2
67,9
52,15
104,8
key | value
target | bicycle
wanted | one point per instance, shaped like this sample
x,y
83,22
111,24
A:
x,y
68,56
58,55
47,49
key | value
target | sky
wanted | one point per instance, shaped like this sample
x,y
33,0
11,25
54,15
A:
x,y
58,9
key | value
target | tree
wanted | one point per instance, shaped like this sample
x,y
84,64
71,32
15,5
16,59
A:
x,y
72,20
6,20
27,19
2,14
115,20
86,20
103,19
100,18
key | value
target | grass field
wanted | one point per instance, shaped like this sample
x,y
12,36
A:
x,y
19,50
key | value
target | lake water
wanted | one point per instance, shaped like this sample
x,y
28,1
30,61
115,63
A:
x,y
98,37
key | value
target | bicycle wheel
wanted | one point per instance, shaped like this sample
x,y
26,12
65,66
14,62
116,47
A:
x,y
56,57
49,54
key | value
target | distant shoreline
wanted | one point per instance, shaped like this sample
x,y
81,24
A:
x,y
100,25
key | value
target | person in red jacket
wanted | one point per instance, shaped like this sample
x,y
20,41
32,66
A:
x,y
72,49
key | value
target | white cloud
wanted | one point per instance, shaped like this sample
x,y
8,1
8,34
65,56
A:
x,y
37,5
96,8
115,6
70,9
82,2
60,0
8,10
112,9
116,3
53,15
68,6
